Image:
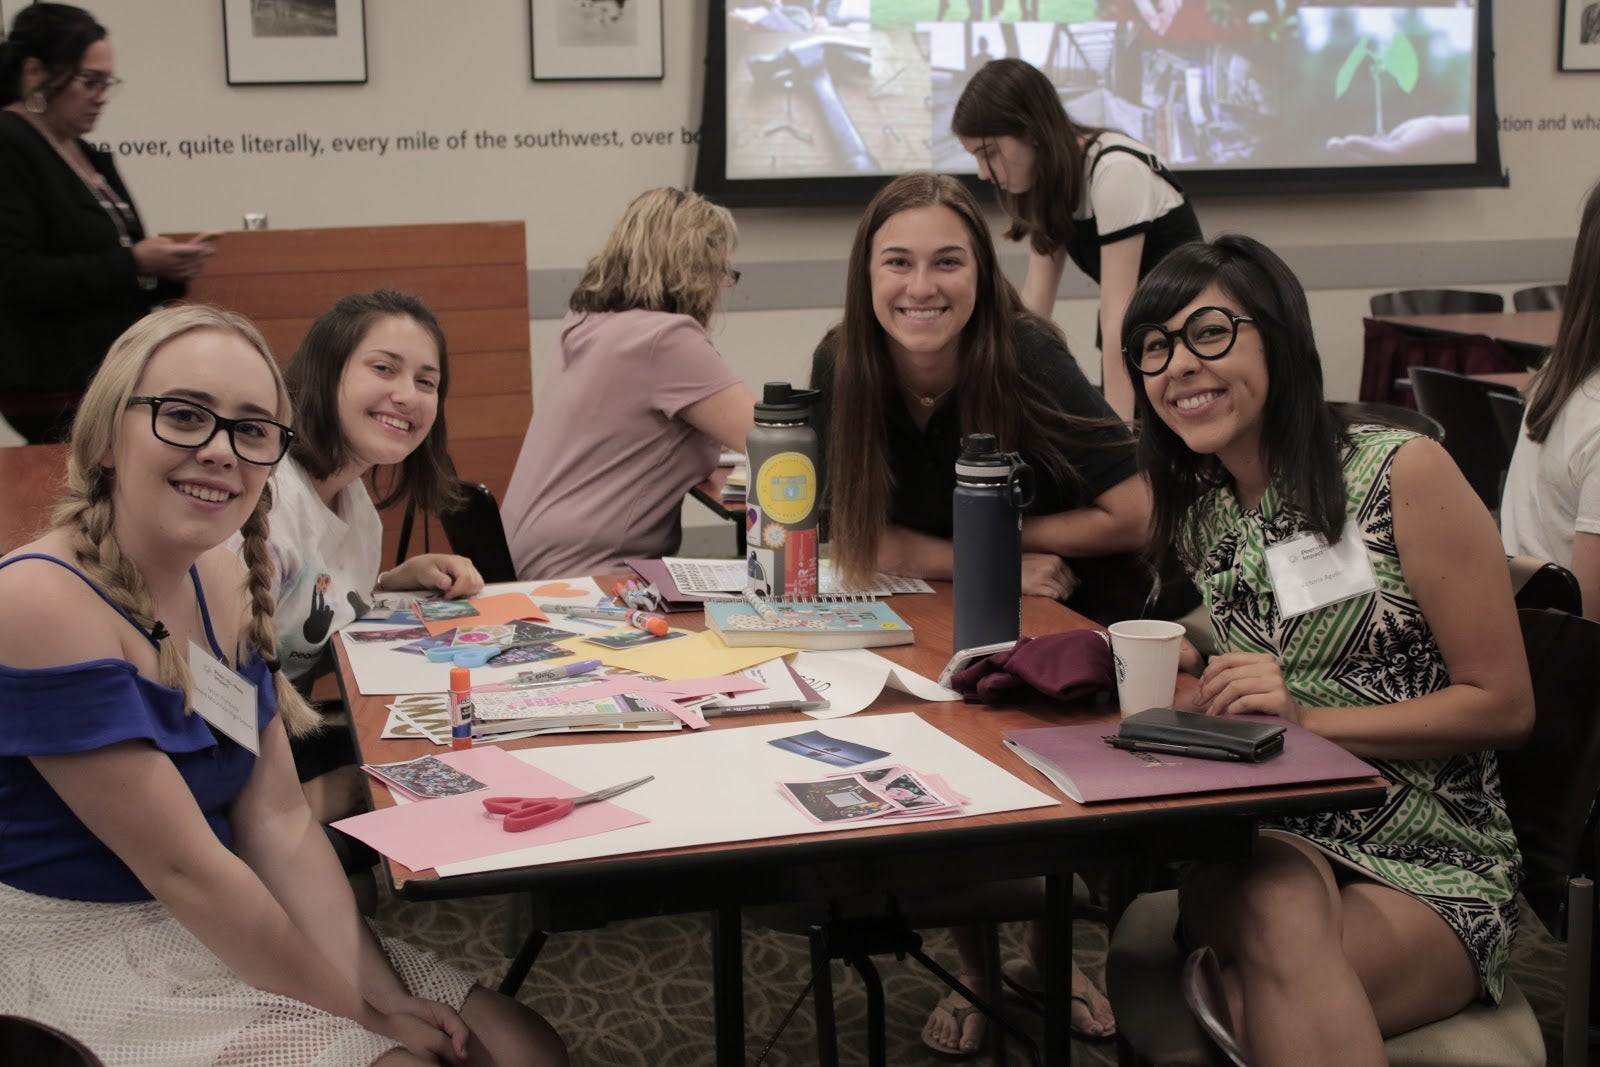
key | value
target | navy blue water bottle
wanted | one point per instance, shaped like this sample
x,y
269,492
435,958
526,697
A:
x,y
992,488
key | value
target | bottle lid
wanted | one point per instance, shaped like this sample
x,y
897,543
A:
x,y
782,402
981,458
460,679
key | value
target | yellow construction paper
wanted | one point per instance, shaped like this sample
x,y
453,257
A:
x,y
699,655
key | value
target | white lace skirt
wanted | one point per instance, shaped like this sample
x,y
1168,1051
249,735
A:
x,y
136,987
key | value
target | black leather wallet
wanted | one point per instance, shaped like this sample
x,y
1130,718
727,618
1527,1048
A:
x,y
1189,733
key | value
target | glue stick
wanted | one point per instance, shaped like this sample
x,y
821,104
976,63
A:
x,y
460,707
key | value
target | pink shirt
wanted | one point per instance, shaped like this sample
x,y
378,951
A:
x,y
607,461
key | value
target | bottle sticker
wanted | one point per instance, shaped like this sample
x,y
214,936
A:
x,y
786,487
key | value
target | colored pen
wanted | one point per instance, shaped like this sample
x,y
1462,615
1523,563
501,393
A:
x,y
1198,751
555,674
757,601
644,620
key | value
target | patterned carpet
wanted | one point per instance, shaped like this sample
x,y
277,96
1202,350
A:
x,y
638,994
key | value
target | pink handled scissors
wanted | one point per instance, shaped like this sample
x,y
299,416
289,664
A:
x,y
524,813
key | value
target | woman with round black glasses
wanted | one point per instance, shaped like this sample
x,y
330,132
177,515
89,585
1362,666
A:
x,y
1358,589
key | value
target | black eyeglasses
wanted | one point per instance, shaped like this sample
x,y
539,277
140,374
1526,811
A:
x,y
1209,333
187,424
733,276
97,82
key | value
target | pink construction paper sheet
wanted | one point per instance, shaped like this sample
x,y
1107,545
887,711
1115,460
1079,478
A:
x,y
427,833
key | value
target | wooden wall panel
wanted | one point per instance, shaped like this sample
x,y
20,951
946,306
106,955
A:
x,y
473,275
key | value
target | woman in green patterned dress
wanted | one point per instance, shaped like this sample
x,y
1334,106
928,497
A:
x,y
1358,588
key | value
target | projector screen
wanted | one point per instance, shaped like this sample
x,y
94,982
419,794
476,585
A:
x,y
816,101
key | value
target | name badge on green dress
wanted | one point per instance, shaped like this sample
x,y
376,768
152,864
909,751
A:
x,y
1308,573
223,699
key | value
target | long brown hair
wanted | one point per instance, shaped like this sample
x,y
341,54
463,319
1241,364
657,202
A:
x,y
668,252
1576,353
87,508
990,390
1009,98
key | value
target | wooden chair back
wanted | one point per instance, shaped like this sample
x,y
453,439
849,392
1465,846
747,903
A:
x,y
32,478
472,275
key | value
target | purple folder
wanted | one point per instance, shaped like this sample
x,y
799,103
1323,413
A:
x,y
1083,766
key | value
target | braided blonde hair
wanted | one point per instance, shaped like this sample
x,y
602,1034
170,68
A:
x,y
86,508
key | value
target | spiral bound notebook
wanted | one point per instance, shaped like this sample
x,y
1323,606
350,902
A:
x,y
825,622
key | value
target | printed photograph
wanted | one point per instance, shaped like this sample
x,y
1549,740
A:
x,y
294,18
835,800
816,745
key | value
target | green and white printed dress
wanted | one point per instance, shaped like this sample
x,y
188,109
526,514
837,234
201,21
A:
x,y
1442,833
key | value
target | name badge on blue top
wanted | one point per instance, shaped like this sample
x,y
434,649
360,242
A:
x,y
223,699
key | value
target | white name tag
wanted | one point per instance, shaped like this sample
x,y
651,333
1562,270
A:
x,y
1308,573
223,699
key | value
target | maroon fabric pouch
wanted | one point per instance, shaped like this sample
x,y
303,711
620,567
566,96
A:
x,y
1073,666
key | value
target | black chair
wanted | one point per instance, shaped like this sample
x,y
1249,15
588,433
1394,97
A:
x,y
1507,409
1435,302
30,1042
1357,411
1538,584
1539,298
475,531
1461,406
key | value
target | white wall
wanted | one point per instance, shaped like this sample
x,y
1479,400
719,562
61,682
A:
x,y
460,70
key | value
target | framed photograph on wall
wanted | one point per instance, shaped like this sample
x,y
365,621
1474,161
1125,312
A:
x,y
575,40
295,42
1580,35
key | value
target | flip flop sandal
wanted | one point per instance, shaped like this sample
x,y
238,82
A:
x,y
960,1015
1021,978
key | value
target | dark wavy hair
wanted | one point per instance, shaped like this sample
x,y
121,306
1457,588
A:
x,y
1301,437
425,477
56,35
990,389
1576,353
1009,98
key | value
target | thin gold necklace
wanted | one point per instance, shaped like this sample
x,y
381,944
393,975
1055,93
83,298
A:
x,y
929,401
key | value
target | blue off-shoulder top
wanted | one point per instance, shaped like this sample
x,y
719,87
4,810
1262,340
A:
x,y
79,707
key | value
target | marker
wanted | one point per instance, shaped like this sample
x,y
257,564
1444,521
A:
x,y
644,620
757,601
555,674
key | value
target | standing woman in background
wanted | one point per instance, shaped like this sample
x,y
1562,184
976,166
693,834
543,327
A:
x,y
1093,194
76,268
637,403
1551,506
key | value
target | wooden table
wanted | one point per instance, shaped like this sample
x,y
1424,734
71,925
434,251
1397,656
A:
x,y
724,878
1535,329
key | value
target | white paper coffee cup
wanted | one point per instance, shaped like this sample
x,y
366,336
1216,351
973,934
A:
x,y
1146,655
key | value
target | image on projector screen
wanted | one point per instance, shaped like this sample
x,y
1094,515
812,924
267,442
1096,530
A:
x,y
824,88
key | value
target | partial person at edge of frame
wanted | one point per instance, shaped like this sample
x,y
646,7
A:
x,y
1551,504
368,382
168,897
636,403
76,265
1320,931
1093,195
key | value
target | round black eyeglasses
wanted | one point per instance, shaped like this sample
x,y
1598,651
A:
x,y
1209,333
187,424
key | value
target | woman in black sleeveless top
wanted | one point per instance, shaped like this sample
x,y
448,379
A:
x,y
1091,194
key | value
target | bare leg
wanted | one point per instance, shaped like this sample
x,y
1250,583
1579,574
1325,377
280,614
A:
x,y
948,1027
507,1033
1318,973
1091,1012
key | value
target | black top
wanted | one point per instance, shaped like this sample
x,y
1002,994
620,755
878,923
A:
x,y
1161,235
68,285
923,462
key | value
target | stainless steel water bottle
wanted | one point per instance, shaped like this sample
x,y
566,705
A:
x,y
992,488
781,502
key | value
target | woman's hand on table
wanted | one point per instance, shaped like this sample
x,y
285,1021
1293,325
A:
x,y
1238,682
1047,574
450,576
